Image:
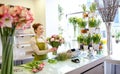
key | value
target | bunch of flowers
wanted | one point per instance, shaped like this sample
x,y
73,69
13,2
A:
x,y
15,16
55,40
34,66
11,17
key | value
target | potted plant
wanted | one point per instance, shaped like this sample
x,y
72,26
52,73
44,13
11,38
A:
x,y
73,21
85,14
86,41
96,41
81,23
117,37
92,9
80,39
93,24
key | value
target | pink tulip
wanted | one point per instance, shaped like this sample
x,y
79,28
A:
x,y
34,70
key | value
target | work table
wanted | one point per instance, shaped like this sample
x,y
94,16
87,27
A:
x,y
66,67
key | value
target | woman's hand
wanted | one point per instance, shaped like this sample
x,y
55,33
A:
x,y
53,49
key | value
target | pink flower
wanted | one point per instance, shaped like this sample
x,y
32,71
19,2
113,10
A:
x,y
7,20
1,10
1,23
52,39
34,70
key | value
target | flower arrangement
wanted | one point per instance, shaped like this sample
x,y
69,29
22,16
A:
x,y
55,41
15,16
34,66
11,17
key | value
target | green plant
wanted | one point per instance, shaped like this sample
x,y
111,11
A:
x,y
94,22
73,20
93,7
80,38
84,7
117,35
96,38
63,56
81,23
87,40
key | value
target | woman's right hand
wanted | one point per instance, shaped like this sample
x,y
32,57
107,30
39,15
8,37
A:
x,y
53,49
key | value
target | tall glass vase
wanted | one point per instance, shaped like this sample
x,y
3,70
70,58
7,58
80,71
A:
x,y
7,40
7,55
109,38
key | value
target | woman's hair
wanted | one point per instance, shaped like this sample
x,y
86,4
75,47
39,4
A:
x,y
35,26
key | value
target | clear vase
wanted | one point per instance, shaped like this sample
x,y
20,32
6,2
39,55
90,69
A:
x,y
7,40
54,53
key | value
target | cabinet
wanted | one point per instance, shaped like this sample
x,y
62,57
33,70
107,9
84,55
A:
x,y
91,68
98,69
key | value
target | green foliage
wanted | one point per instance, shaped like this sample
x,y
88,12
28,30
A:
x,y
33,64
117,35
52,61
60,12
87,40
84,7
73,20
93,7
93,22
80,38
81,23
96,38
63,56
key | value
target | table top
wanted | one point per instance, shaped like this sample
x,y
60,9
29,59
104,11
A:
x,y
63,67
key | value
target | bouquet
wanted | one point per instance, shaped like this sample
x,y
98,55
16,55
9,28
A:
x,y
11,18
55,41
34,66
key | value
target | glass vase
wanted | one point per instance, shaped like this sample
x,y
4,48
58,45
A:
x,y
54,53
7,55
7,40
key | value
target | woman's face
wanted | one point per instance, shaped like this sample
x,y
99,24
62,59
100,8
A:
x,y
39,30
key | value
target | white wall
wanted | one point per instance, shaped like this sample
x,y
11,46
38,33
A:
x,y
51,17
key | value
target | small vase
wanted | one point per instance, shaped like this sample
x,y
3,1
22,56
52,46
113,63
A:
x,y
54,53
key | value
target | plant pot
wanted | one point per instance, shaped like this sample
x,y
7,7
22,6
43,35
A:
x,y
85,47
96,46
83,31
97,30
91,30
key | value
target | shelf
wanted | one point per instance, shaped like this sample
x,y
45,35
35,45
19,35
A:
x,y
23,35
23,45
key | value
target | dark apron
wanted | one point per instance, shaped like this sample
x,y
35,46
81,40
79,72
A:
x,y
41,46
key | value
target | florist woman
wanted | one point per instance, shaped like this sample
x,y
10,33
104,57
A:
x,y
38,43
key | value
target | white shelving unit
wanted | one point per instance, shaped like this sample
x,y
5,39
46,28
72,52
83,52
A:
x,y
22,41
